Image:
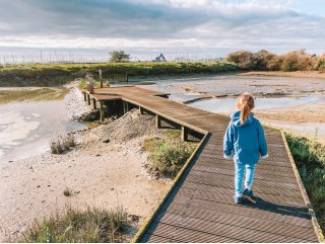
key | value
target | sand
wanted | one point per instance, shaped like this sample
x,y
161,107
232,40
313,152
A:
x,y
105,175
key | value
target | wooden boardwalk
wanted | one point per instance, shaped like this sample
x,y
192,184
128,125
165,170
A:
x,y
199,207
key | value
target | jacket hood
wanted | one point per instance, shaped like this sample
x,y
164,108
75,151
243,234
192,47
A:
x,y
235,118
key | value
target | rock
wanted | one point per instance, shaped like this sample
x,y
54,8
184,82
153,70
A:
x,y
106,141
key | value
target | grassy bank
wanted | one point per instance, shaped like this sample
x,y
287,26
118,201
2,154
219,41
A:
x,y
310,159
167,154
82,226
57,74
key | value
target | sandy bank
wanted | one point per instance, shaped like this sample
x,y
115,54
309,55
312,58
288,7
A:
x,y
295,74
104,175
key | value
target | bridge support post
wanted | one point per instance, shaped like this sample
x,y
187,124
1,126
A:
x,y
85,96
88,99
184,133
158,121
101,111
141,110
125,107
94,104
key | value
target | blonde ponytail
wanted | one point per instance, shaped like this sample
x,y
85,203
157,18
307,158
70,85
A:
x,y
245,104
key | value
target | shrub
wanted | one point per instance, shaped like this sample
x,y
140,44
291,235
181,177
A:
x,y
168,155
62,143
264,60
275,63
170,158
310,159
320,63
75,225
297,60
245,59
119,56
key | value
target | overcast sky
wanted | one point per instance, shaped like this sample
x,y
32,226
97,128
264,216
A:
x,y
196,25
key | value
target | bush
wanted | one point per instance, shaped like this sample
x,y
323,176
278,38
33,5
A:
x,y
297,60
275,63
168,155
310,159
119,56
264,60
245,59
320,64
62,143
74,225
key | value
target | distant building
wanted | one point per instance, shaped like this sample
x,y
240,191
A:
x,y
160,58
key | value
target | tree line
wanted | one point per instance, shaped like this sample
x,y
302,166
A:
x,y
264,60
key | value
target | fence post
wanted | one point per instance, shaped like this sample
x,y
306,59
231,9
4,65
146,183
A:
x,y
100,75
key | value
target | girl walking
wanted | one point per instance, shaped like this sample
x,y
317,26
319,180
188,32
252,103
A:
x,y
245,143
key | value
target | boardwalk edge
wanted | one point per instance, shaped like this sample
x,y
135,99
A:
x,y
303,191
149,219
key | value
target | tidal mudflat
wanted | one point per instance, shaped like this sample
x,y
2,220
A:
x,y
290,103
27,126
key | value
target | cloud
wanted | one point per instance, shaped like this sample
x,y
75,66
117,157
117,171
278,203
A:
x,y
174,24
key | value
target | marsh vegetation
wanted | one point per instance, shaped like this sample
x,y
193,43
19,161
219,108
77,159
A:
x,y
309,156
167,154
85,226
58,74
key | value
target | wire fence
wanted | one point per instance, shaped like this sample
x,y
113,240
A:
x,y
48,58
75,58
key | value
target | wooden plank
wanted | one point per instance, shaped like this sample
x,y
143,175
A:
x,y
230,230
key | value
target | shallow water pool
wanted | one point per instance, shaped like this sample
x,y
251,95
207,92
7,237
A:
x,y
26,128
227,105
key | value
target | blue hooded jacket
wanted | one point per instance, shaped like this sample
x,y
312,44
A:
x,y
244,142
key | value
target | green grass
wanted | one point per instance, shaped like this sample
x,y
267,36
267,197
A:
x,y
167,154
74,225
40,94
56,74
309,156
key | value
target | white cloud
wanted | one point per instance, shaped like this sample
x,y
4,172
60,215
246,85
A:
x,y
251,24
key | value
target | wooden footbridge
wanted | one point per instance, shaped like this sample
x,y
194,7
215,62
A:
x,y
199,206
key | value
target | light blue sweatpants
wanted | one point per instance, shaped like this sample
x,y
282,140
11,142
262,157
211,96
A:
x,y
242,171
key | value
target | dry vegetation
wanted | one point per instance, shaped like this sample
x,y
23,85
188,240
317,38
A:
x,y
264,60
75,225
62,143
167,154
